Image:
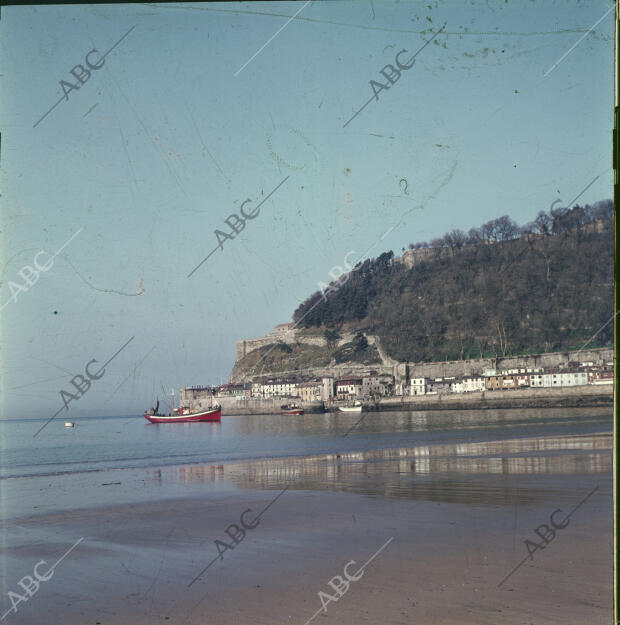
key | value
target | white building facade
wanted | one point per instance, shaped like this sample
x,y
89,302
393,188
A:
x,y
279,388
473,384
418,386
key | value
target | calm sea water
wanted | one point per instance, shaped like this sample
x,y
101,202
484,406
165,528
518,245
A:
x,y
103,443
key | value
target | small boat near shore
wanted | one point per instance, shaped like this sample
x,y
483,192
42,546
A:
x,y
291,409
356,406
184,415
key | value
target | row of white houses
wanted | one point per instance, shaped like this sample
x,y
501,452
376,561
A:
x,y
377,385
426,386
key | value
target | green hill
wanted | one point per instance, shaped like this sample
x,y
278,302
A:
x,y
498,290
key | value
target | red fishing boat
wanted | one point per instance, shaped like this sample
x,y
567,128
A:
x,y
291,409
182,415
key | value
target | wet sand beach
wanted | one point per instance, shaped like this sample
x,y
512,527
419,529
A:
x,y
446,524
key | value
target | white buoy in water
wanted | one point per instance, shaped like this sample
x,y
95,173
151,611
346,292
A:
x,y
69,424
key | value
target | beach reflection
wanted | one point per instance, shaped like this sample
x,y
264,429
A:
x,y
482,472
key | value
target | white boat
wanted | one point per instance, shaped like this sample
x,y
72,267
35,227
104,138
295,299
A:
x,y
69,424
356,406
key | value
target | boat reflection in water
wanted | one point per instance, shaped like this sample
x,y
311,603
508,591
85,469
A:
x,y
492,472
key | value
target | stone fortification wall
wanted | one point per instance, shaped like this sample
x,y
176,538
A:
x,y
337,371
412,257
459,368
246,346
257,405
565,396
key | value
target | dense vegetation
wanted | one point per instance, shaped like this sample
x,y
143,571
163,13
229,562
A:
x,y
498,290
357,350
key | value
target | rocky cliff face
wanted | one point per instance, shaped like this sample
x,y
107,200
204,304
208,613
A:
x,y
303,354
245,346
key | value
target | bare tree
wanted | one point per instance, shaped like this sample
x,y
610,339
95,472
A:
x,y
543,223
603,209
501,335
455,239
506,228
487,231
500,229
475,237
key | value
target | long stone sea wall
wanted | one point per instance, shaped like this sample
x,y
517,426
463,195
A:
x,y
567,397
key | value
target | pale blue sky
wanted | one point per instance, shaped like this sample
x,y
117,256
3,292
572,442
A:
x,y
161,144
